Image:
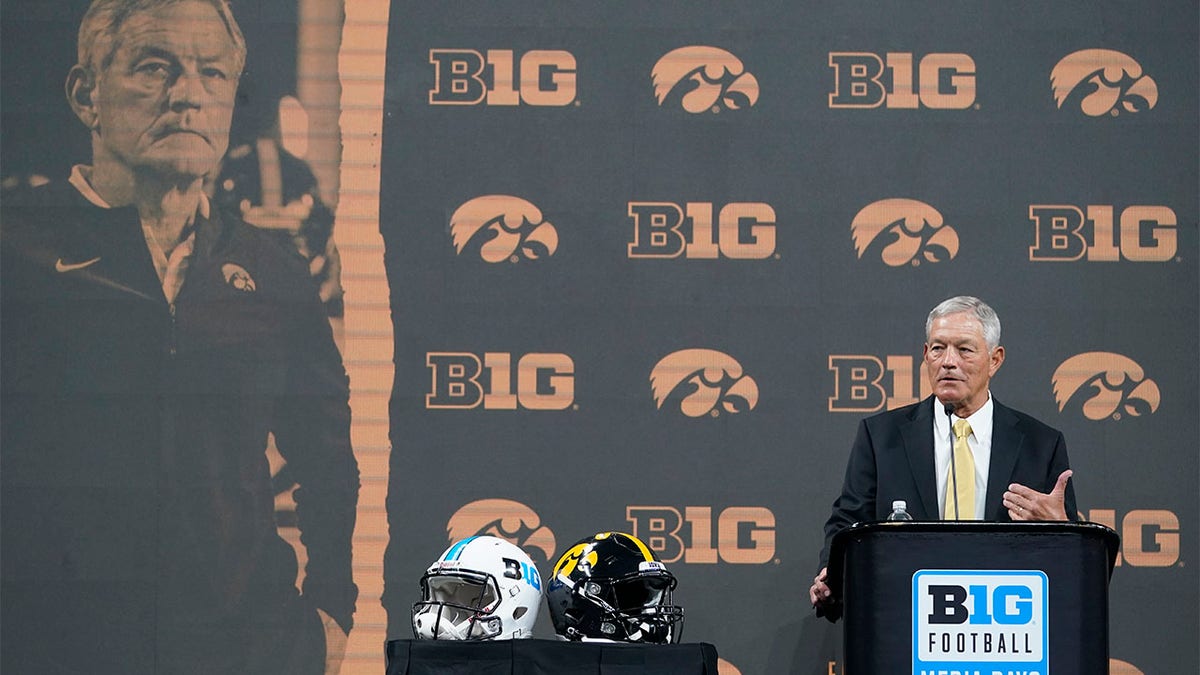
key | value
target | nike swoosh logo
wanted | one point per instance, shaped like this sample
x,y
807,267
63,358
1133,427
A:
x,y
61,266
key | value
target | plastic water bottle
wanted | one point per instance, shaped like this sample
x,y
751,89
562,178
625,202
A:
x,y
899,511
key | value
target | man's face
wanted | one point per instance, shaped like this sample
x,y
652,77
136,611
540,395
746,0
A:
x,y
165,102
958,362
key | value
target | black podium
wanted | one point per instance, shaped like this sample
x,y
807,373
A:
x,y
547,657
1028,598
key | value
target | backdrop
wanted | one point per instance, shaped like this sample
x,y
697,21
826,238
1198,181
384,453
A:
x,y
645,266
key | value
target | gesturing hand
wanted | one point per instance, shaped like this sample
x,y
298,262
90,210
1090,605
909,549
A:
x,y
1025,503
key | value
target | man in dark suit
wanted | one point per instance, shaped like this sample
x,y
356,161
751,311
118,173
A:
x,y
1012,467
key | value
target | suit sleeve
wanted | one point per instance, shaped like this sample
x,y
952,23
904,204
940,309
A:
x,y
312,430
1058,464
857,500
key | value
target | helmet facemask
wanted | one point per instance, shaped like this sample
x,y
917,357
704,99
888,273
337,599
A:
x,y
457,606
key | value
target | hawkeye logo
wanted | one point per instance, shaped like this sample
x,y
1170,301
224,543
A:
x,y
462,381
863,384
497,227
745,535
511,521
1116,667
1102,81
899,81
1062,233
502,78
703,382
903,232
744,230
1103,385
1149,537
703,78
980,621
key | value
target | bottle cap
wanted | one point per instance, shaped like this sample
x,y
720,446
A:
x,y
899,505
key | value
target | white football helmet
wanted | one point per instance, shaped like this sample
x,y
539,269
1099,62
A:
x,y
481,588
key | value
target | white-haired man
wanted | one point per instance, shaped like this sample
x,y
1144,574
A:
x,y
1016,467
151,345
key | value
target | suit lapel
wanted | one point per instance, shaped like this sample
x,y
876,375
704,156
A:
x,y
917,432
1006,447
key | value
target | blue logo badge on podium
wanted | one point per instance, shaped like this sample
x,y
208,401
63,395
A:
x,y
980,622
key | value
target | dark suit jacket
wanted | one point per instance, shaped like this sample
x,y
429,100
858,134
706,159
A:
x,y
892,458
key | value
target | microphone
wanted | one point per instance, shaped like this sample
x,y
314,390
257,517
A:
x,y
949,408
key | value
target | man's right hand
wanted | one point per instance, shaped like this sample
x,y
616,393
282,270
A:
x,y
819,593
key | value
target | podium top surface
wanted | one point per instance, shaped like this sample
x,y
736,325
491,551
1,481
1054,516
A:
x,y
862,532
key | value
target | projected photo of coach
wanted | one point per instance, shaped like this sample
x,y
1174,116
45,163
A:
x,y
152,342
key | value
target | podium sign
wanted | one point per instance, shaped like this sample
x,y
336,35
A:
x,y
974,598
985,620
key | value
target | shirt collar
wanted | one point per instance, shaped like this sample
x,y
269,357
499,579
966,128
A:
x,y
980,420
79,180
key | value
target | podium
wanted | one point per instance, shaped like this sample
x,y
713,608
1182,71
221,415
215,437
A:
x,y
545,657
974,597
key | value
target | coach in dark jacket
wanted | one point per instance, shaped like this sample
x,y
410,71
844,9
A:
x,y
150,346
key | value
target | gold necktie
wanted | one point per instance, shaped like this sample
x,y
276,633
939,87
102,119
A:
x,y
963,474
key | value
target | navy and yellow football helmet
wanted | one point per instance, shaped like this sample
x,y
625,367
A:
x,y
611,587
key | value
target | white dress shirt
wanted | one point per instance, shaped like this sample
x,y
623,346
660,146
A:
x,y
980,443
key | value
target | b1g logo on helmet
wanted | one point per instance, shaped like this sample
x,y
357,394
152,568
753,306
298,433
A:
x,y
511,521
1063,234
904,232
743,534
462,381
864,383
704,382
544,77
704,78
1103,384
500,226
744,231
936,81
1102,81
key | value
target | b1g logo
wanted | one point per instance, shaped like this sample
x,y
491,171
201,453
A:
x,y
500,226
1062,233
1102,81
980,621
744,534
704,382
506,519
703,78
1149,537
864,383
903,232
544,77
899,81
1105,385
462,381
744,230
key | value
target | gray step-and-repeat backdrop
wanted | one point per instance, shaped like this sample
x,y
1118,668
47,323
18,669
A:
x,y
650,263
644,267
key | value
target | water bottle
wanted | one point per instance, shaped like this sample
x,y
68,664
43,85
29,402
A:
x,y
899,511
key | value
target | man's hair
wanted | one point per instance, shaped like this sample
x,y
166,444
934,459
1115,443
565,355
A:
x,y
978,308
100,30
